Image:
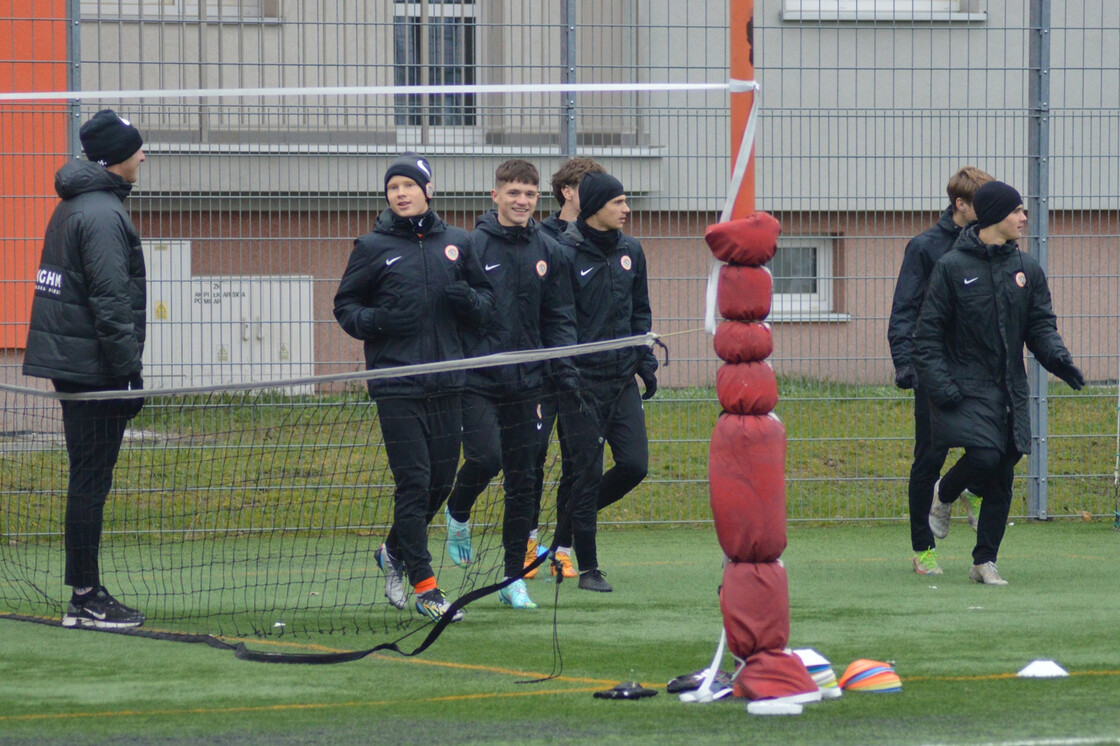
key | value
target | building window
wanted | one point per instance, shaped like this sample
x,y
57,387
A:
x,y
802,270
178,10
448,60
882,10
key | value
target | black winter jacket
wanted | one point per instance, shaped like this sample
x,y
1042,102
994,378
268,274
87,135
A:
x,y
612,301
533,307
983,304
88,314
397,266
922,252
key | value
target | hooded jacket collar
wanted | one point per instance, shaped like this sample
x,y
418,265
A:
x,y
421,225
969,242
946,222
604,241
81,176
488,223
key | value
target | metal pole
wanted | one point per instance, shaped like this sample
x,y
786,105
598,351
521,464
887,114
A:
x,y
425,77
74,72
1038,206
206,74
567,76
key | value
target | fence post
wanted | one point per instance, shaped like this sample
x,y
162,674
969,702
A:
x,y
74,72
568,76
1038,187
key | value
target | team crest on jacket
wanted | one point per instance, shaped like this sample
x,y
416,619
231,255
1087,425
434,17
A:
x,y
451,252
542,268
1020,279
626,263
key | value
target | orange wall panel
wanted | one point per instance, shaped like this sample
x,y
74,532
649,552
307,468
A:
x,y
33,144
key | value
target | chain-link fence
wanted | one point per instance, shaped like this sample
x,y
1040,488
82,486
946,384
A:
x,y
254,191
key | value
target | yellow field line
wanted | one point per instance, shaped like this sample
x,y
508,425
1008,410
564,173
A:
x,y
429,700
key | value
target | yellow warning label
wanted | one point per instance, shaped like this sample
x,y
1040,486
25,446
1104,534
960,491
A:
x,y
161,310
284,354
223,354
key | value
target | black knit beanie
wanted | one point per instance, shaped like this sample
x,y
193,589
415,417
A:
x,y
109,139
596,190
993,202
415,167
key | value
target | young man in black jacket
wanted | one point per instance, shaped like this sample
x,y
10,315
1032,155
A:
x,y
502,405
565,188
410,287
986,300
87,330
608,270
922,252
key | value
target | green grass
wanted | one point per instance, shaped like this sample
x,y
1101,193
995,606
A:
x,y
956,646
221,464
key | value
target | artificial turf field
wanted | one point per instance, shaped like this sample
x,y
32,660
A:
x,y
956,645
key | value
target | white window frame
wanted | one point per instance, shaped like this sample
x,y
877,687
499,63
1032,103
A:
x,y
807,306
884,10
443,134
178,10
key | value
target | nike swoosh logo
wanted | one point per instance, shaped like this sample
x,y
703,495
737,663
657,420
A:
x,y
586,272
96,615
389,262
492,266
540,426
970,281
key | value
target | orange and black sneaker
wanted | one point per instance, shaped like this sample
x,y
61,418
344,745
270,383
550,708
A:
x,y
530,557
564,561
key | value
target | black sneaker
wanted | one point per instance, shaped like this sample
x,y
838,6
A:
x,y
99,610
593,580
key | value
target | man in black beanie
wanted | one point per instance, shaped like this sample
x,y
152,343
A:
x,y
411,286
608,271
109,139
986,301
919,258
87,335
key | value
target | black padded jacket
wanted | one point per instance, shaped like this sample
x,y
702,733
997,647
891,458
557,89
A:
x,y
88,315
406,262
533,307
984,303
922,252
611,299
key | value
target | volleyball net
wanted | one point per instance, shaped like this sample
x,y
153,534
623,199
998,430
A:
x,y
244,510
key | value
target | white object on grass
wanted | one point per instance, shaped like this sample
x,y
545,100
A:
x,y
1042,669
704,692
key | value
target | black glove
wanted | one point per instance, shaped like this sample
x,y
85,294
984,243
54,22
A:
x,y
571,394
131,407
906,377
463,297
951,402
397,321
650,382
1071,374
568,384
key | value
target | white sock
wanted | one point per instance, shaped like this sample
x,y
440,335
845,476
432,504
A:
x,y
82,591
564,550
533,535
